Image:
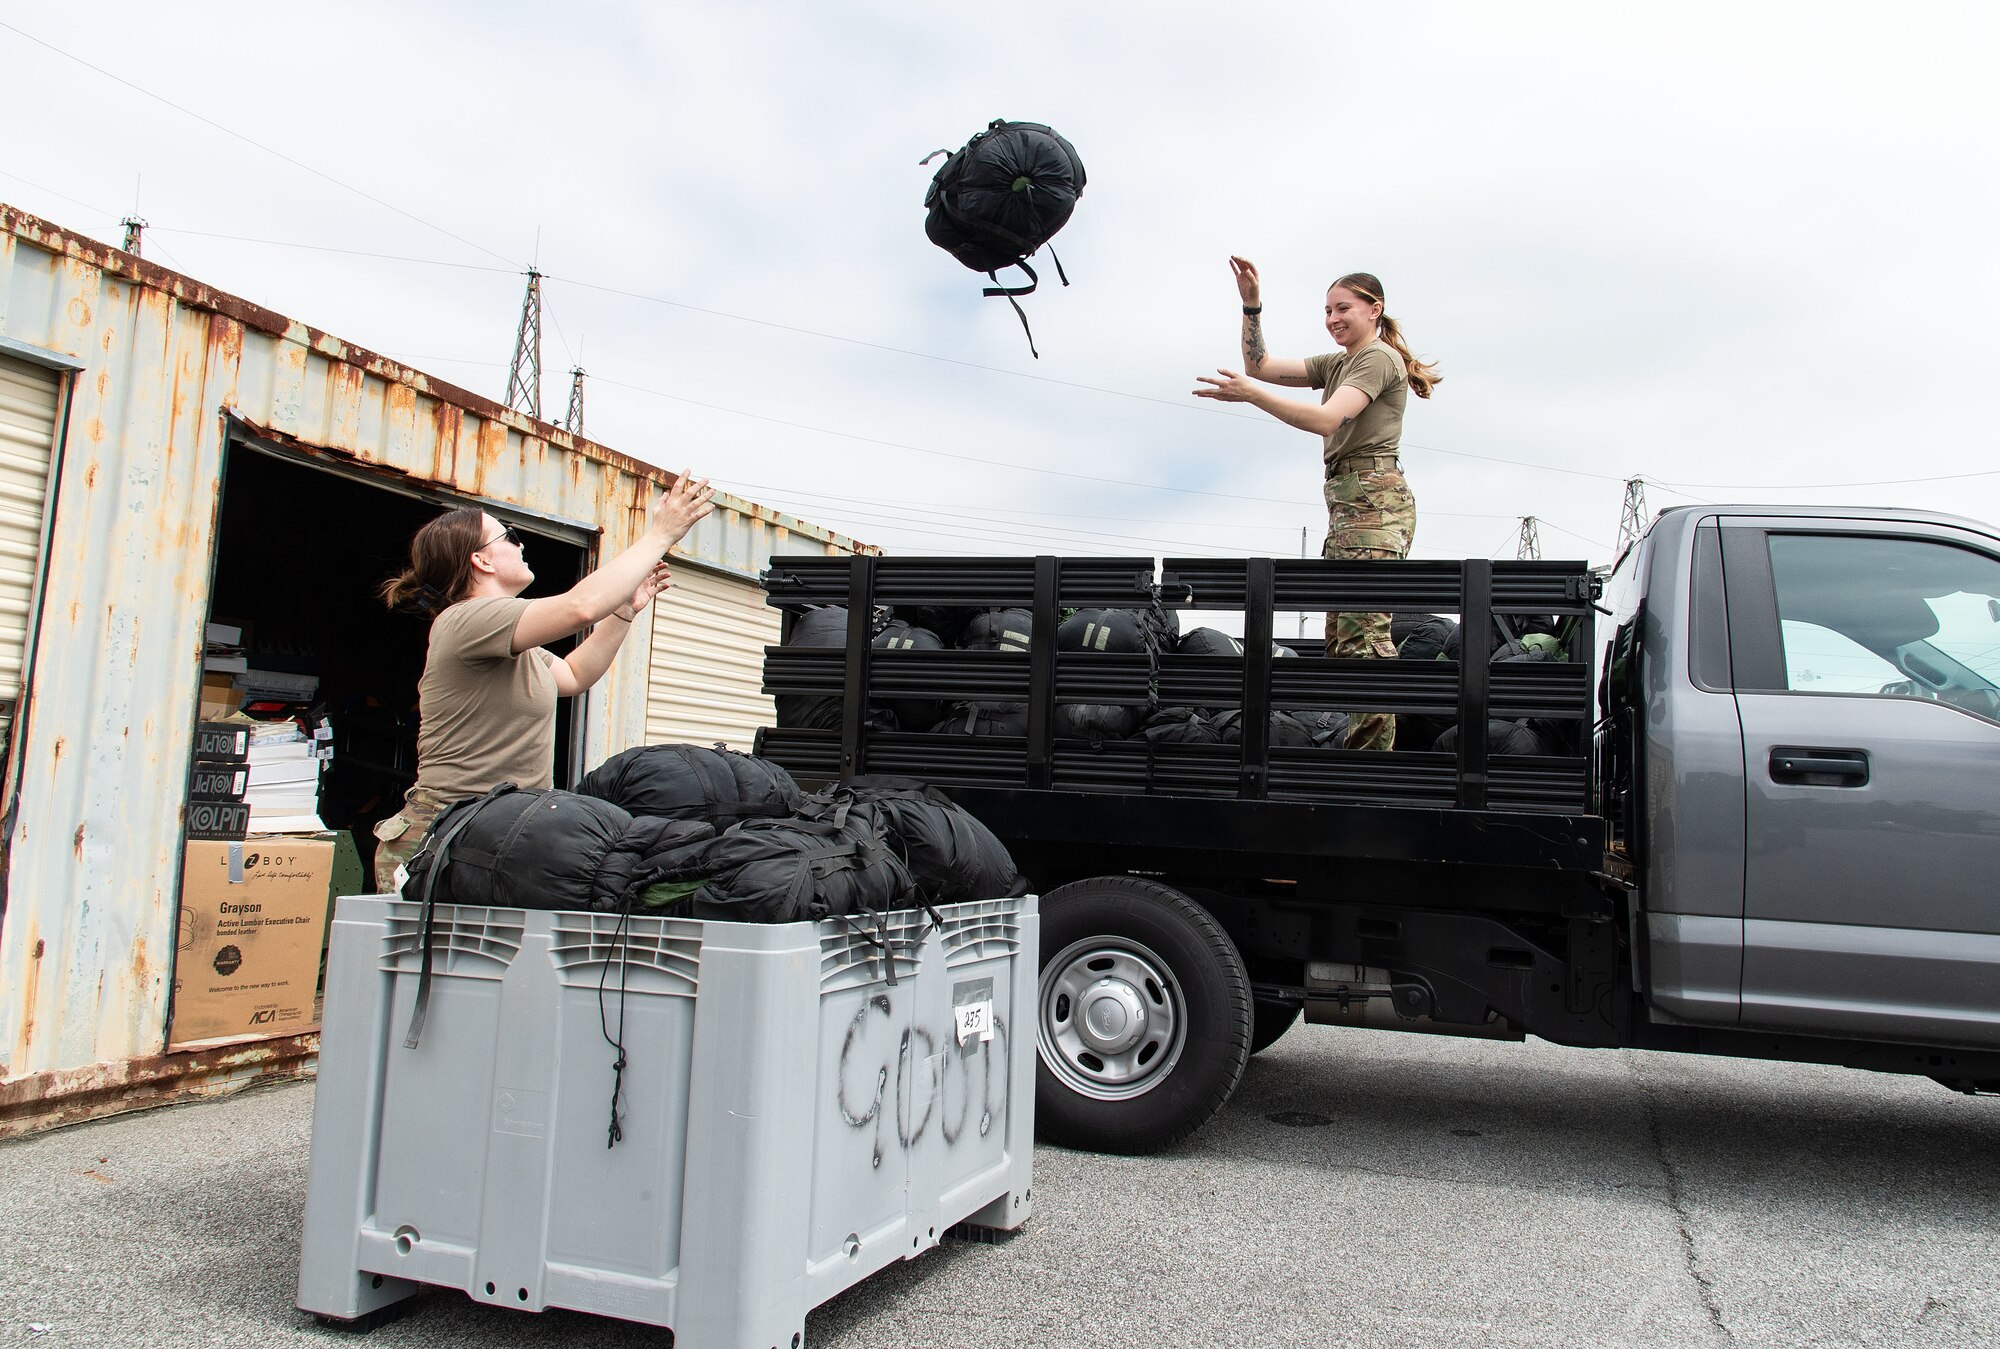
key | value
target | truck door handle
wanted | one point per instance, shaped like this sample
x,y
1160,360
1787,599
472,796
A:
x,y
1812,767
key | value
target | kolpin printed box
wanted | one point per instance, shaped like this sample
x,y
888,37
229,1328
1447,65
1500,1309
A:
x,y
792,1121
251,923
218,782
217,820
221,742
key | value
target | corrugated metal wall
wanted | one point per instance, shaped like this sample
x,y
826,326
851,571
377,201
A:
x,y
28,396
86,940
709,635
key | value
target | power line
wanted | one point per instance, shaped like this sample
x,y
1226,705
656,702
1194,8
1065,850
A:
x,y
1826,486
328,248
209,121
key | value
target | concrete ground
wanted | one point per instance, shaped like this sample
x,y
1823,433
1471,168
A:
x,y
1364,1189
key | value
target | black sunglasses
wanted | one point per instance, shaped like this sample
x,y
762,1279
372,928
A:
x,y
507,534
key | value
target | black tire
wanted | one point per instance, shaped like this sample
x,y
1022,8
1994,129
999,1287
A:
x,y
1269,1021
1175,1003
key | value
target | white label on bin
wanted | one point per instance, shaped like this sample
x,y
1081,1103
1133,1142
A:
x,y
975,1021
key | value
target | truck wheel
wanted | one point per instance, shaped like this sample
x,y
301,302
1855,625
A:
x,y
1269,1021
1143,1022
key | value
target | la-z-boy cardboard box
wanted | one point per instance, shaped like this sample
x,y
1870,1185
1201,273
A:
x,y
252,921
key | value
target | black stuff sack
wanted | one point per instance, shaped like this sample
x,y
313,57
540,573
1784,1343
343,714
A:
x,y
545,850
997,630
1427,638
999,198
1178,726
1286,732
984,719
912,714
1502,737
691,782
951,856
1208,642
1122,632
791,871
813,628
1327,729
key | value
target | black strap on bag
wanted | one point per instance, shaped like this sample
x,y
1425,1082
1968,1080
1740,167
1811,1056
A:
x,y
440,849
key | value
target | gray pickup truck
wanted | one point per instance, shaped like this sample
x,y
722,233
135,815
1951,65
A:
x,y
1762,817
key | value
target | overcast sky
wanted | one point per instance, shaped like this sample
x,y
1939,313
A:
x,y
1745,250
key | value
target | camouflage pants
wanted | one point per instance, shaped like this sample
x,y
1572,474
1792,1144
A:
x,y
1370,516
397,837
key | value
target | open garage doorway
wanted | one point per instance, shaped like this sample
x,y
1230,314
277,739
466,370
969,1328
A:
x,y
302,547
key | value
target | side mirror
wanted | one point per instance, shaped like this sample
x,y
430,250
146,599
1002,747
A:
x,y
1993,610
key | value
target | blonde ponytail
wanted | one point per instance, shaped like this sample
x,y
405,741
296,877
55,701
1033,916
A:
x,y
1423,378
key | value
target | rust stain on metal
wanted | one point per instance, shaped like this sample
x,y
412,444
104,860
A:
x,y
39,1101
79,311
90,475
60,745
77,843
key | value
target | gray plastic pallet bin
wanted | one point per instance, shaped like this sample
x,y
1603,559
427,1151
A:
x,y
792,1121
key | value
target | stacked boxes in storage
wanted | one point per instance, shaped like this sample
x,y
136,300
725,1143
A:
x,y
794,1113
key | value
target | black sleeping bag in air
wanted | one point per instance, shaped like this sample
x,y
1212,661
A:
x,y
691,782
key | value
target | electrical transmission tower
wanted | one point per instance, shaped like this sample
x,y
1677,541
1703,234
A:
x,y
573,419
1632,520
1529,549
524,383
134,229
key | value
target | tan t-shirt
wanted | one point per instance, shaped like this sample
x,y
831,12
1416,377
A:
x,y
488,715
1378,372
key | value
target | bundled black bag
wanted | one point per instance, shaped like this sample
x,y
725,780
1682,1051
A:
x,y
946,620
1328,730
951,856
997,630
1426,637
689,782
1502,737
1286,732
984,719
912,714
1208,642
790,871
1124,632
1178,726
516,849
813,628
1000,198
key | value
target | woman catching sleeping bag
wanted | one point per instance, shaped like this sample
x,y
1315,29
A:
x,y
487,699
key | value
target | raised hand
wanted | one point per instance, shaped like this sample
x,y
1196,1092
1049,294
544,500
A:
x,y
1247,284
656,584
1231,388
679,507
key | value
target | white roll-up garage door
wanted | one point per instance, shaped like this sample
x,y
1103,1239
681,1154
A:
x,y
709,635
28,401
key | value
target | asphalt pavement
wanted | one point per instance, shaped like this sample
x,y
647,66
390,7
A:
x,y
1364,1188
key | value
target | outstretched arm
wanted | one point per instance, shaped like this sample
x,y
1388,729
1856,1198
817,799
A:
x,y
1322,419
586,664
1258,362
593,599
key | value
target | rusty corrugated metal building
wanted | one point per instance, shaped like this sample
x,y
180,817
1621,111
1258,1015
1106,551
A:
x,y
171,455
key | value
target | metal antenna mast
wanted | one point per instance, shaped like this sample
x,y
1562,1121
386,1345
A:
x,y
1529,549
524,382
1632,520
134,228
573,419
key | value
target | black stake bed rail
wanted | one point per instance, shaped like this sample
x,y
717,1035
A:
x,y
1468,805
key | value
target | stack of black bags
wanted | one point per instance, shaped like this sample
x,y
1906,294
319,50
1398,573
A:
x,y
681,830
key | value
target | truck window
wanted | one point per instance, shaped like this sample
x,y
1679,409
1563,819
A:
x,y
1904,617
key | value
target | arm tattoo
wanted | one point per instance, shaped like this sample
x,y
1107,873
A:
x,y
1253,340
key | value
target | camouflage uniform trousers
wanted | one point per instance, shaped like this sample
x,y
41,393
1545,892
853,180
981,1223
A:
x,y
1370,516
397,837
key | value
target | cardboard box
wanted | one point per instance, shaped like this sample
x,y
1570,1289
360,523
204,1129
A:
x,y
221,741
252,923
219,695
218,782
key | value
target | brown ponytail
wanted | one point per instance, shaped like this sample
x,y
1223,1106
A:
x,y
440,570
1423,378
